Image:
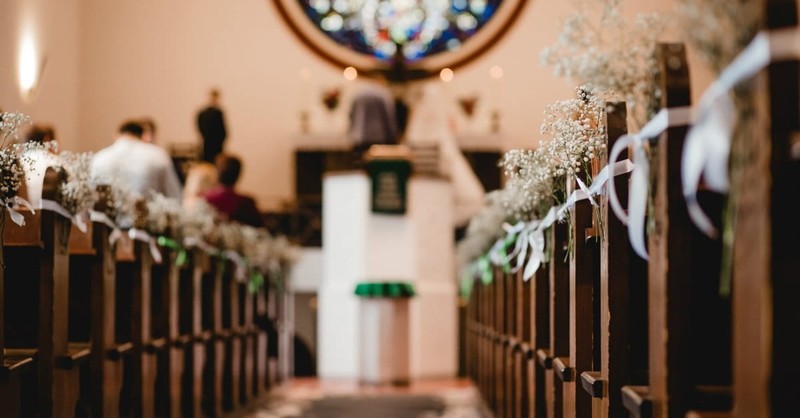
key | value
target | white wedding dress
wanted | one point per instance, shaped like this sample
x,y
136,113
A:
x,y
428,123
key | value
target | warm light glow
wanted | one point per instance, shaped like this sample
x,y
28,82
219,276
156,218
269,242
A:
x,y
446,75
350,73
496,72
28,65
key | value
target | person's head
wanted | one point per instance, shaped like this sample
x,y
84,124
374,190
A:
x,y
149,133
229,168
200,178
213,96
132,128
40,134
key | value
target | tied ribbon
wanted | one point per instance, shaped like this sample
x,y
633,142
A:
x,y
707,146
640,175
484,267
78,219
256,282
17,217
139,235
239,262
498,254
180,259
102,218
531,235
194,242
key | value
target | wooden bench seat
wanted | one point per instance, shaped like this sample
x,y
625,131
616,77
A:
x,y
16,361
77,353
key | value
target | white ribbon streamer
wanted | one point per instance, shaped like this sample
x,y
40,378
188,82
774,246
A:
x,y
708,142
79,219
100,217
238,261
142,236
192,242
640,175
17,217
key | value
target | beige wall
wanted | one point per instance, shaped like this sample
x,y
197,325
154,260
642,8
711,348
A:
x,y
158,58
53,25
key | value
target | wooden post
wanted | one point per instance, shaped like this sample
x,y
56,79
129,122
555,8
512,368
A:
x,y
540,333
583,275
765,261
557,358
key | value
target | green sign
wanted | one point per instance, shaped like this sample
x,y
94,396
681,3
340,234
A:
x,y
389,185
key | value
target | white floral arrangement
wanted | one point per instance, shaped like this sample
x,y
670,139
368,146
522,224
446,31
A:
x,y
484,229
598,46
536,178
196,223
719,29
162,215
78,191
12,170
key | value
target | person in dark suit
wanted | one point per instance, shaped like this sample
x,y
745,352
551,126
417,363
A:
x,y
236,207
211,124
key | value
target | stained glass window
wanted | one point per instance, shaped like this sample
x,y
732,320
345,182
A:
x,y
420,28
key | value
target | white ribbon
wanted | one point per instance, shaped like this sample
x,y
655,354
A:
x,y
640,175
708,142
238,261
192,242
536,242
531,235
142,236
100,217
17,217
79,219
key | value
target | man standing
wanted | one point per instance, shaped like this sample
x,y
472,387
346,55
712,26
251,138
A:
x,y
211,124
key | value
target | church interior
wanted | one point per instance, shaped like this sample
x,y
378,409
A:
x,y
400,208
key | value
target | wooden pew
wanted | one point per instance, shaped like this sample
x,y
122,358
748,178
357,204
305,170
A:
x,y
93,278
230,320
214,373
192,340
261,343
622,294
556,359
34,334
135,266
689,326
766,312
538,329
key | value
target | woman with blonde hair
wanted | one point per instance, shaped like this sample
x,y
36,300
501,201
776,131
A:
x,y
201,178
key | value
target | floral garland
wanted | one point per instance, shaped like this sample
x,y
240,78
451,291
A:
x,y
598,46
158,219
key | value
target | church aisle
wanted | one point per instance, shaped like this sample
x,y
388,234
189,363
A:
x,y
312,398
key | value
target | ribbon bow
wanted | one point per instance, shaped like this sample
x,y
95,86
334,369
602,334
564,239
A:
x,y
708,142
640,175
17,217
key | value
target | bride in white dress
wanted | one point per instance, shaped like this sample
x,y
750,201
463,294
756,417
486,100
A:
x,y
430,122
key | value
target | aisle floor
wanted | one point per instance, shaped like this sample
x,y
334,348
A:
x,y
313,398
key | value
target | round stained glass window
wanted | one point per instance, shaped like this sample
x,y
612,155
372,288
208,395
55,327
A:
x,y
426,35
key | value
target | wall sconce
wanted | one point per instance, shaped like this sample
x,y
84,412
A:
x,y
30,69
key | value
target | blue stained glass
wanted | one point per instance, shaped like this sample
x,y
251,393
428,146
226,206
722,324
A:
x,y
420,27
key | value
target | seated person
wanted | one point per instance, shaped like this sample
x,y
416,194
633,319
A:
x,y
226,200
201,178
141,167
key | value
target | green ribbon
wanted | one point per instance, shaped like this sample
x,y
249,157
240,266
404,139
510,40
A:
x,y
256,282
507,243
485,268
180,259
385,290
467,284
